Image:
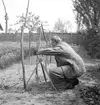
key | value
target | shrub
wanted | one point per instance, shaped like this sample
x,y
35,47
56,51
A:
x,y
91,43
12,54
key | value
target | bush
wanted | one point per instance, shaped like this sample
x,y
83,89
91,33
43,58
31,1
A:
x,y
91,43
10,54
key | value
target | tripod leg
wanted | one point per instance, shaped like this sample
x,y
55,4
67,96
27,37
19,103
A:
x,y
43,71
31,75
50,59
50,79
37,76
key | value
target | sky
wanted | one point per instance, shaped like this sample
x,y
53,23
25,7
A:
x,y
48,10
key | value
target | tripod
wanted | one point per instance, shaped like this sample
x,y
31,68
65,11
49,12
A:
x,y
44,70
39,61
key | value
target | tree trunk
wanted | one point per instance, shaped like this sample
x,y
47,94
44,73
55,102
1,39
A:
x,y
22,57
6,18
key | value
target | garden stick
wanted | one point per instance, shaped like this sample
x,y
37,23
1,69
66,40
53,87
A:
x,y
30,46
38,46
46,56
49,42
43,71
46,60
44,34
22,50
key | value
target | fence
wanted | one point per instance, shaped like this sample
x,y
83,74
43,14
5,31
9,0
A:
x,y
68,37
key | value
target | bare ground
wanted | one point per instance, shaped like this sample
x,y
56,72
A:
x,y
12,93
41,93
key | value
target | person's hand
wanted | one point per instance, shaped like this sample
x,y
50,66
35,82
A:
x,y
35,50
39,60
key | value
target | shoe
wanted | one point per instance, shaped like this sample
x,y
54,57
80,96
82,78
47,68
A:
x,y
63,86
72,83
70,86
75,82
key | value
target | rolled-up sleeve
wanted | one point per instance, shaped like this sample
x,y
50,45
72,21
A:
x,y
50,51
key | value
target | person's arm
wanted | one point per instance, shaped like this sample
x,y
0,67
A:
x,y
50,51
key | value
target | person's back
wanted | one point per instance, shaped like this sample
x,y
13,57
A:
x,y
69,55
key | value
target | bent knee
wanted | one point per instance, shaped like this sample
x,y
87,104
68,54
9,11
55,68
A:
x,y
51,71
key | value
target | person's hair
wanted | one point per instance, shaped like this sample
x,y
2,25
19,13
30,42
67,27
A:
x,y
57,39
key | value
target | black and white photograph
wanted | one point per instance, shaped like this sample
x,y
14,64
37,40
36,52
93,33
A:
x,y
49,52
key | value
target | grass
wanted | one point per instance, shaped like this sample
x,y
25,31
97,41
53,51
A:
x,y
10,52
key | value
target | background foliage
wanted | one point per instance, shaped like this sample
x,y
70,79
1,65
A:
x,y
88,18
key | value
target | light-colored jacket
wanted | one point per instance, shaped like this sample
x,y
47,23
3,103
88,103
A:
x,y
65,55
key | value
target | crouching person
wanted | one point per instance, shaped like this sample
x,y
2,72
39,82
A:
x,y
70,65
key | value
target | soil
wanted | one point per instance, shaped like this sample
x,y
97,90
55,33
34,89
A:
x,y
41,92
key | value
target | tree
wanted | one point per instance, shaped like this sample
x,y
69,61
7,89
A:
x,y
32,21
88,16
61,26
21,43
87,13
6,17
68,26
32,24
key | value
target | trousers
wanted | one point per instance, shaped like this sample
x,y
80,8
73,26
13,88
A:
x,y
61,77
